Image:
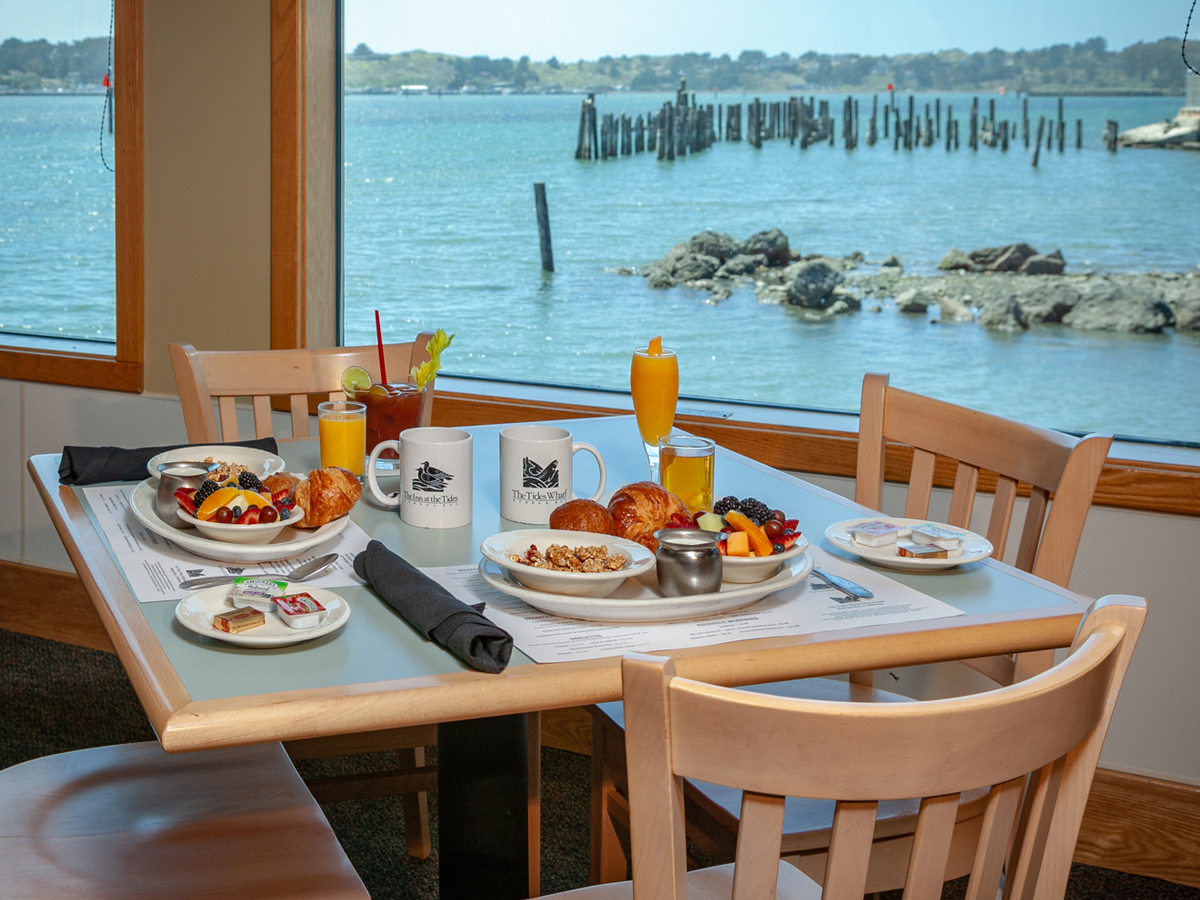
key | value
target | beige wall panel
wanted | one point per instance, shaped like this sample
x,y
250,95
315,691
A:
x,y
207,70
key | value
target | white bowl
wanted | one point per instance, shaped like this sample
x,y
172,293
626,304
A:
x,y
750,569
242,534
499,547
260,462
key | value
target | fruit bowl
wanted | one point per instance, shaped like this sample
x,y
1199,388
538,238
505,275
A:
x,y
749,569
242,534
499,547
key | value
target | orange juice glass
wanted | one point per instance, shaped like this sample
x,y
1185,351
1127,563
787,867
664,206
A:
x,y
342,426
654,383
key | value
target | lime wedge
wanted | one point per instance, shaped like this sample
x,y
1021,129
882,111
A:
x,y
354,379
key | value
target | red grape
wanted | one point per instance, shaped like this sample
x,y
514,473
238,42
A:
x,y
223,515
267,515
774,529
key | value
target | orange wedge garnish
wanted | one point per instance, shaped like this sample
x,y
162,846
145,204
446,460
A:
x,y
655,348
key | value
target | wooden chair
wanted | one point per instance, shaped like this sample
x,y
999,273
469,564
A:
x,y
1046,460
224,376
1033,746
203,376
135,823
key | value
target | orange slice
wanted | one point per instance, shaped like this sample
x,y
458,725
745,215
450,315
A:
x,y
759,542
655,348
253,498
215,501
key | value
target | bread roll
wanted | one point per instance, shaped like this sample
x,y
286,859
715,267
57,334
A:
x,y
326,494
642,508
583,515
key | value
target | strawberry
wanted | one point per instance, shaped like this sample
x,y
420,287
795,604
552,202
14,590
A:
x,y
184,496
789,540
791,524
249,517
680,520
721,548
279,496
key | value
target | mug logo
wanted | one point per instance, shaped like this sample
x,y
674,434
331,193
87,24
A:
x,y
535,476
430,479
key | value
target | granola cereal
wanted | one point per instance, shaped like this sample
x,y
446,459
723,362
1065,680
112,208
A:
x,y
561,558
226,471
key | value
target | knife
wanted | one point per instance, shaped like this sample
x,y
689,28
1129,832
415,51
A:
x,y
845,584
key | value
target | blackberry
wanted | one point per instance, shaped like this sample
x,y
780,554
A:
x,y
725,504
756,510
248,481
202,492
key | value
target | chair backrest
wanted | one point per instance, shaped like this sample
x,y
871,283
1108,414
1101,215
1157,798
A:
x,y
1048,461
1039,739
225,375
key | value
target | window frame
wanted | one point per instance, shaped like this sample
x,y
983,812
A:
x,y
122,371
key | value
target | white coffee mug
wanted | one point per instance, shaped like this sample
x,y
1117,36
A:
x,y
535,471
435,472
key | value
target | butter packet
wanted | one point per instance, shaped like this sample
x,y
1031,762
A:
x,y
236,620
255,591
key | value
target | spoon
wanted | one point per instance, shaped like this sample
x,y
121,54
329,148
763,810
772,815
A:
x,y
300,573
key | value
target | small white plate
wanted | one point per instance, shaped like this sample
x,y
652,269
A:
x,y
229,533
639,599
260,462
500,546
196,612
289,542
974,546
753,569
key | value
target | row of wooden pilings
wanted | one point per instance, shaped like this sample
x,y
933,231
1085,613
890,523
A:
x,y
684,127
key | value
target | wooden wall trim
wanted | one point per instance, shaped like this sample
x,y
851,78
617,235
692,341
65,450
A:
x,y
288,318
124,371
1124,484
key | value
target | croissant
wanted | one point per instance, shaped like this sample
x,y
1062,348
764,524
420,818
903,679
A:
x,y
642,508
326,494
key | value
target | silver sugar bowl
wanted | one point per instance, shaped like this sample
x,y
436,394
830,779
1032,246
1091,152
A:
x,y
173,476
689,562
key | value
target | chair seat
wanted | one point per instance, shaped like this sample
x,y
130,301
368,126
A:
x,y
715,883
134,822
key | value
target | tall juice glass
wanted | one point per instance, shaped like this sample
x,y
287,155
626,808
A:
x,y
342,427
654,383
391,408
687,469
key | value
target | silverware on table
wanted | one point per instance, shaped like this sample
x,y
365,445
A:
x,y
844,584
300,573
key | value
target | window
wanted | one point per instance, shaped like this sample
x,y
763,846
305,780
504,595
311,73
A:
x,y
442,147
70,303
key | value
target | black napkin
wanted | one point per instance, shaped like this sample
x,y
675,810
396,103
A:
x,y
433,610
92,465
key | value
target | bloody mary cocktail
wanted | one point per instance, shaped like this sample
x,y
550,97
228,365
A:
x,y
391,408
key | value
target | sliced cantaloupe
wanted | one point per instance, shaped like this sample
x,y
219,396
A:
x,y
737,544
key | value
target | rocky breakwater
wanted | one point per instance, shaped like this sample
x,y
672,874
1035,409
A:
x,y
1010,288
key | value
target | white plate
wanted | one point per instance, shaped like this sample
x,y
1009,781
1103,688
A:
x,y
639,600
498,547
196,612
975,547
260,462
753,569
290,542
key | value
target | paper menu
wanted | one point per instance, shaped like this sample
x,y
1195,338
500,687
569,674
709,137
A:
x,y
155,566
807,608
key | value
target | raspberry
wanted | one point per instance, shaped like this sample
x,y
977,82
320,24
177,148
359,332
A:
x,y
248,481
725,504
756,510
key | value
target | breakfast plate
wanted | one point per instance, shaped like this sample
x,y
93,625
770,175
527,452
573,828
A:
x,y
974,546
289,542
639,600
499,547
260,462
196,612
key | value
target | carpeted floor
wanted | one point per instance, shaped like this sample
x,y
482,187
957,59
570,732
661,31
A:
x,y
55,697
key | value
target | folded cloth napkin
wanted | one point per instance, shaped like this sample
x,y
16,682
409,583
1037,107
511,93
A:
x,y
92,465
433,610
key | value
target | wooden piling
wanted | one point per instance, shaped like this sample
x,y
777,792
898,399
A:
x,y
908,125
543,224
973,136
1079,134
949,126
937,107
1062,128
592,126
1037,147
896,130
1004,136
1025,121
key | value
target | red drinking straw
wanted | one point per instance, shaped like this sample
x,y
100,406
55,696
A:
x,y
382,365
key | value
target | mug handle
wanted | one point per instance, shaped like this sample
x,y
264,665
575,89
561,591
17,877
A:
x,y
392,500
575,448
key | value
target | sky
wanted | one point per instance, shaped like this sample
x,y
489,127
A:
x,y
573,30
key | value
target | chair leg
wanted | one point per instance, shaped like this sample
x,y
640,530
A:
x,y
534,806
866,679
416,809
608,863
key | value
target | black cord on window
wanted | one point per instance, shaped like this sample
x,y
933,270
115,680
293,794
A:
x,y
108,93
1183,45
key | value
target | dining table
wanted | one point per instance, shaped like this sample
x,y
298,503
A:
x,y
378,672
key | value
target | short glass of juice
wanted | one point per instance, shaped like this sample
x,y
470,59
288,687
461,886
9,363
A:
x,y
342,427
391,408
686,466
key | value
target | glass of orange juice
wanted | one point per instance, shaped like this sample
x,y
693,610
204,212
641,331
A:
x,y
342,426
654,383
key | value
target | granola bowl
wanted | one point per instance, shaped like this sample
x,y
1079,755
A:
x,y
576,553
